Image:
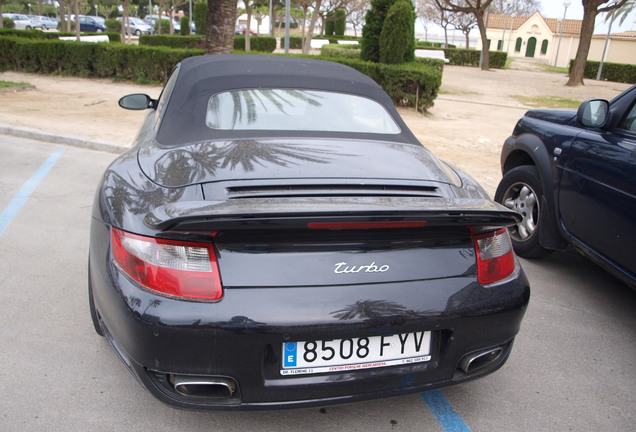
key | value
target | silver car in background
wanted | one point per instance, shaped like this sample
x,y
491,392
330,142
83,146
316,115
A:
x,y
22,22
137,26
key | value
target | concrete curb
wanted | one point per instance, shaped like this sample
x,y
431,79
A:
x,y
59,138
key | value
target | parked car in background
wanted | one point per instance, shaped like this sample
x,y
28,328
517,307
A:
x,y
91,24
571,175
137,26
152,21
278,237
21,22
40,22
241,30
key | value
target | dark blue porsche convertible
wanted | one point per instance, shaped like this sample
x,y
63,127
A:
x,y
277,237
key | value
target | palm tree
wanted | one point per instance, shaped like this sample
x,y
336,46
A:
x,y
221,23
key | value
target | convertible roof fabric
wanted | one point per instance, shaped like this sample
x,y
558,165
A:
x,y
201,77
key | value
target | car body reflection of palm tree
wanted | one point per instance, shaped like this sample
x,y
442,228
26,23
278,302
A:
x,y
197,162
370,309
136,197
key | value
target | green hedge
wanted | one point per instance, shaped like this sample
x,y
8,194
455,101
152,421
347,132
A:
x,y
410,84
428,44
172,41
340,51
615,72
112,60
38,34
432,62
470,57
257,43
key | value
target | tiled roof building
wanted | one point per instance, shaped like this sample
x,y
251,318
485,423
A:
x,y
554,41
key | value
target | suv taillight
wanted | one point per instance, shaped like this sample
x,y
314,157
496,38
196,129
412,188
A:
x,y
178,268
495,258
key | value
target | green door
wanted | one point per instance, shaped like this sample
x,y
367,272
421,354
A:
x,y
532,44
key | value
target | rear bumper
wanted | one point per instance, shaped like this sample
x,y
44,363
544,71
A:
x,y
240,337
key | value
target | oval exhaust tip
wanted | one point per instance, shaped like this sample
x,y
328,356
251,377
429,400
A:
x,y
204,387
476,361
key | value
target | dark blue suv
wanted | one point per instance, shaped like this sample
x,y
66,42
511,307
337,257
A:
x,y
572,177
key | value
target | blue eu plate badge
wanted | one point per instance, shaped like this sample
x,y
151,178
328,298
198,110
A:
x,y
290,354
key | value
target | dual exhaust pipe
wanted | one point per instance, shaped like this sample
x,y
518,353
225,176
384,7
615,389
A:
x,y
206,387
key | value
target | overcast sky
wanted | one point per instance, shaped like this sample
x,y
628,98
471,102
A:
x,y
550,9
554,9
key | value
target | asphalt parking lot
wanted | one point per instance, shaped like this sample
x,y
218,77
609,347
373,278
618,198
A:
x,y
572,367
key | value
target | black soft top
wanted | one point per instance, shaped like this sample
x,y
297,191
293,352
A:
x,y
201,77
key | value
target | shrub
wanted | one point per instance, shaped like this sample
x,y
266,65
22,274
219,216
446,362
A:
x,y
8,23
616,72
171,41
340,51
329,24
340,23
111,60
165,26
397,40
408,84
295,42
113,25
201,17
257,43
373,28
436,63
185,26
470,57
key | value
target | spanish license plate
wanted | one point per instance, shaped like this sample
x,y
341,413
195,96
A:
x,y
341,355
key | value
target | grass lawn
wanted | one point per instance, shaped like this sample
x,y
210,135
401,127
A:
x,y
547,102
6,84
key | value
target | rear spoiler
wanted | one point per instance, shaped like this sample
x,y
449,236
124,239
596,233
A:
x,y
297,212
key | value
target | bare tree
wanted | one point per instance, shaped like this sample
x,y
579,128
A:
x,y
304,6
260,13
124,22
478,9
517,7
591,8
220,32
432,12
464,23
77,19
356,10
312,25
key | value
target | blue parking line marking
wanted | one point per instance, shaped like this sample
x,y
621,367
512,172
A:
x,y
18,200
444,412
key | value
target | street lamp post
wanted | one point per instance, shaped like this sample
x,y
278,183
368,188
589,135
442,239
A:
x,y
29,4
566,4
512,20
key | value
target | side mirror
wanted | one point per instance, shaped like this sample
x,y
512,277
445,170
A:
x,y
137,101
593,113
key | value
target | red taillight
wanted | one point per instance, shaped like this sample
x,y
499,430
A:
x,y
495,259
183,269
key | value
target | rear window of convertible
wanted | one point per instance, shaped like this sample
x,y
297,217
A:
x,y
297,110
